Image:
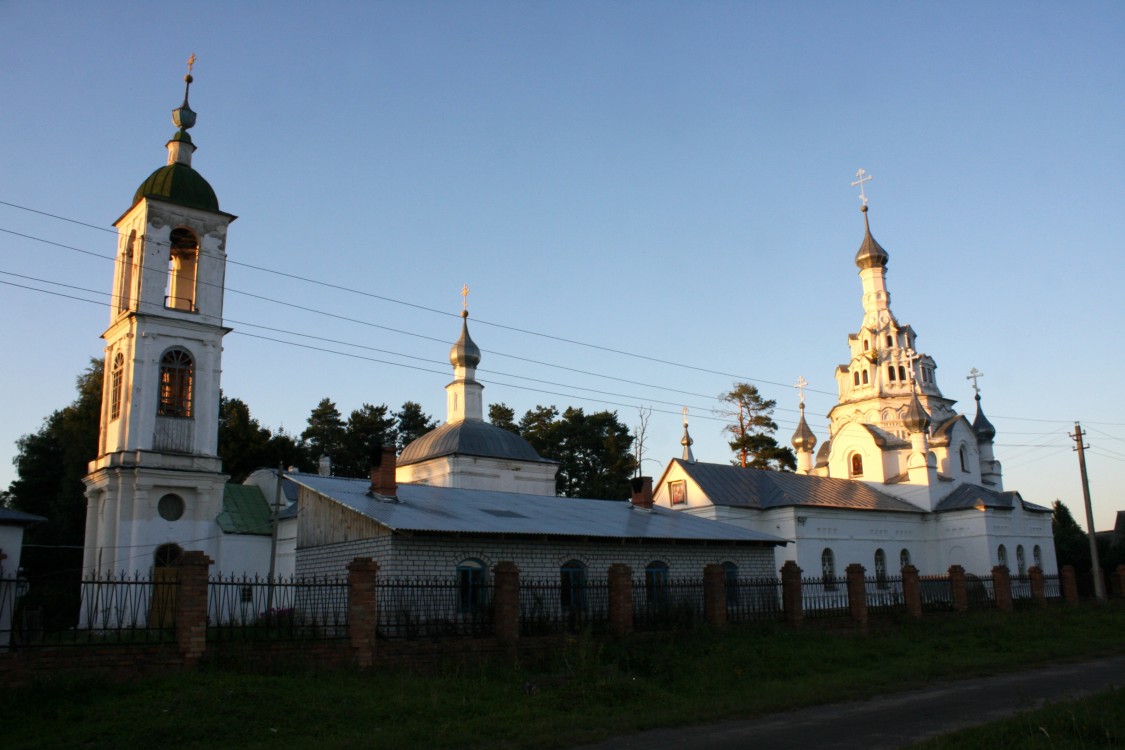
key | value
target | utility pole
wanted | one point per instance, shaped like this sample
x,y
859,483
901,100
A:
x,y
1099,584
273,542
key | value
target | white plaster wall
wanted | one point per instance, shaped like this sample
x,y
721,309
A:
x,y
477,473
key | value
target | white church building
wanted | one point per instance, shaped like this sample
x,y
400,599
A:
x,y
902,477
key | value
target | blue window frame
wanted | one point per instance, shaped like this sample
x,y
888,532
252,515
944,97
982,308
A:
x,y
572,592
470,583
656,583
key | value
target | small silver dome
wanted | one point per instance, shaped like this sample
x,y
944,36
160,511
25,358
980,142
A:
x,y
464,353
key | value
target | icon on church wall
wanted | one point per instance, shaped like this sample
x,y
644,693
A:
x,y
677,492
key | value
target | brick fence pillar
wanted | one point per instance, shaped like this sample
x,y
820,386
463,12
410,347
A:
x,y
957,591
912,591
857,593
1118,576
791,593
363,609
191,605
1038,587
620,578
1002,587
1068,581
506,606
715,595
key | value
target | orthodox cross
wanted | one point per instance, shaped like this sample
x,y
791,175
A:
x,y
912,357
465,297
190,63
801,384
862,177
974,375
685,416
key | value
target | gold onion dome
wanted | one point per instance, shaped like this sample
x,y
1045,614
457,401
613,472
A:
x,y
464,353
803,439
871,254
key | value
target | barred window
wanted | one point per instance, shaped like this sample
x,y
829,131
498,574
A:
x,y
881,568
177,372
115,378
470,579
572,593
1002,555
904,558
828,569
730,582
1037,556
656,582
1021,561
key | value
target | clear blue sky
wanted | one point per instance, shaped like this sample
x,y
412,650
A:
x,y
665,179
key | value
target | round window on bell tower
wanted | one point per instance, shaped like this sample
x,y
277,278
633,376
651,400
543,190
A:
x,y
171,507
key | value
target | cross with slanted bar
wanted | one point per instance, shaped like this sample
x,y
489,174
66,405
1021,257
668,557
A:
x,y
974,375
801,384
862,177
465,297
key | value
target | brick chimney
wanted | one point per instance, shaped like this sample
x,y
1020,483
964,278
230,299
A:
x,y
383,472
642,493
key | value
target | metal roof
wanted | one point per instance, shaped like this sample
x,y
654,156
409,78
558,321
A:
x,y
762,489
451,510
470,437
968,496
245,511
10,517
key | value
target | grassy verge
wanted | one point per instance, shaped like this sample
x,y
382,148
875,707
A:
x,y
590,690
1097,721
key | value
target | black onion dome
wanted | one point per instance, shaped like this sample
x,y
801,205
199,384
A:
x,y
870,254
803,438
464,353
470,437
981,426
916,419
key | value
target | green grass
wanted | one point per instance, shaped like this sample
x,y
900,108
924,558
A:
x,y
1097,721
588,691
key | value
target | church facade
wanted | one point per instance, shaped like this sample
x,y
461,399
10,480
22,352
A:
x,y
902,478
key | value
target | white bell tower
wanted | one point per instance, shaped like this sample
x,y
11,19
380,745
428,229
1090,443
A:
x,y
157,483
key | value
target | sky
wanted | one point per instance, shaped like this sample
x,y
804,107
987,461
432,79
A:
x,y
648,200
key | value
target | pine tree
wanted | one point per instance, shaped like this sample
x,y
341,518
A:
x,y
752,430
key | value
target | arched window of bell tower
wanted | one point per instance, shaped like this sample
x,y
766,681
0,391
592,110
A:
x,y
183,265
855,377
866,380
167,555
866,345
964,455
117,375
857,465
177,374
125,284
890,340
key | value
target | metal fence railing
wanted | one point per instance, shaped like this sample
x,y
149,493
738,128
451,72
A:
x,y
569,606
250,607
107,609
754,599
936,594
419,608
824,597
663,604
1052,588
884,594
980,592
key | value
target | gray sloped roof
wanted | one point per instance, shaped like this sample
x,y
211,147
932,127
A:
x,y
758,488
452,510
9,517
470,437
968,496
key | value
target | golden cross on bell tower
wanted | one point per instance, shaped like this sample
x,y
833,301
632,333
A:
x,y
974,375
465,298
685,416
800,385
861,177
190,63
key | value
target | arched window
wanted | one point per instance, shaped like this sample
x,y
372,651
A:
x,y
890,340
125,288
183,261
828,569
470,585
167,555
1002,555
865,379
881,568
117,374
855,377
1037,556
730,582
903,558
656,583
572,592
177,371
866,345
857,465
1021,561
963,452
902,373
891,373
